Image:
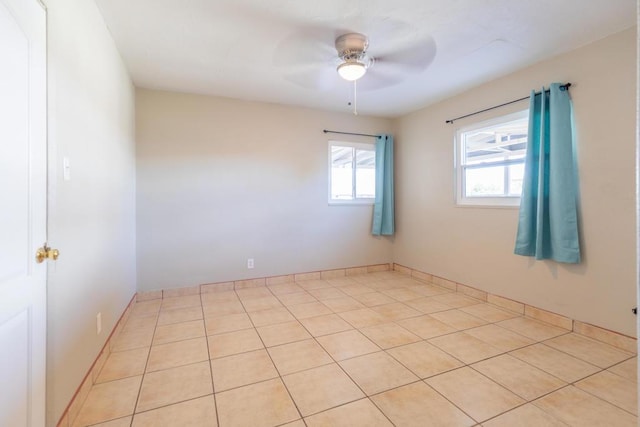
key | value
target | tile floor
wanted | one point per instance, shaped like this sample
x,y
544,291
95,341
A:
x,y
374,350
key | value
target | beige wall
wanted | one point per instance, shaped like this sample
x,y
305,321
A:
x,y
220,181
474,246
92,216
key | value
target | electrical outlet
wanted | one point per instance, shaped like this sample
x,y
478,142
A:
x,y
250,263
98,323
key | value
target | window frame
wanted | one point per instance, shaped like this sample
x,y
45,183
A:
x,y
461,199
354,145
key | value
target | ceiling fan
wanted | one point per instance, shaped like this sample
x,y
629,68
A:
x,y
352,50
319,58
315,57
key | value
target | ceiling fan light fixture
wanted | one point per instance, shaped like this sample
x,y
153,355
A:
x,y
351,70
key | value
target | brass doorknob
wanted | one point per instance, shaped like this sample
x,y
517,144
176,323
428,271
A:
x,y
46,252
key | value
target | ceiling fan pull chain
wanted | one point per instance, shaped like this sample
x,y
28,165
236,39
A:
x,y
355,98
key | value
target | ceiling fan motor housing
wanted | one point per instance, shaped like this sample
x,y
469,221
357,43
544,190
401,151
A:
x,y
352,47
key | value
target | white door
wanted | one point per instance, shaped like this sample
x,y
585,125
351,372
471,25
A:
x,y
23,169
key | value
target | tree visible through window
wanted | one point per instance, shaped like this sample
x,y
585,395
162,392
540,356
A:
x,y
352,172
490,159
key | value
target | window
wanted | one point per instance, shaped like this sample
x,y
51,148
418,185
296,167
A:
x,y
352,172
490,160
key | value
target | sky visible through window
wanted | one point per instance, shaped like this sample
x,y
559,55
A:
x,y
350,184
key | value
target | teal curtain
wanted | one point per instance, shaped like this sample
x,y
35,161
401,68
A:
x,y
383,209
548,220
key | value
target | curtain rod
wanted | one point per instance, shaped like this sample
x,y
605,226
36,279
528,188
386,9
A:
x,y
349,133
566,86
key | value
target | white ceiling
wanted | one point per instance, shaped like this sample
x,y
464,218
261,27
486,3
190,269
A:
x,y
281,51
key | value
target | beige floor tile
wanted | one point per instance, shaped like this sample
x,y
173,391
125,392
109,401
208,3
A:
x,y
174,385
489,313
359,413
227,323
402,294
474,393
271,316
427,305
418,405
500,338
355,289
298,356
327,293
465,347
283,333
524,416
145,308
339,305
396,311
533,329
218,297
132,339
251,293
372,299
233,343
578,408
363,278
347,344
296,298
339,282
612,388
458,319
181,302
403,282
431,290
178,315
262,303
309,309
108,401
519,377
424,359
363,317
321,388
242,369
177,353
222,308
313,284
627,369
389,335
140,324
123,364
426,326
383,285
377,372
555,362
120,422
263,404
179,332
285,288
192,413
592,351
324,325
298,423
456,300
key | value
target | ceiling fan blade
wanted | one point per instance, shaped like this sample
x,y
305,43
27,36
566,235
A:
x,y
309,46
321,78
381,75
413,58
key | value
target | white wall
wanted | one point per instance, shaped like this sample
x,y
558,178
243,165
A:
x,y
222,180
474,246
92,216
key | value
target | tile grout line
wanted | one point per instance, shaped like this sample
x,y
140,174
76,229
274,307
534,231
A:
x,y
272,362
144,372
